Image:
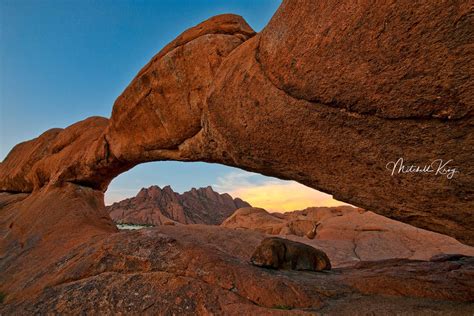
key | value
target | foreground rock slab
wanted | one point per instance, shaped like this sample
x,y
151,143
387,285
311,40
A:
x,y
197,269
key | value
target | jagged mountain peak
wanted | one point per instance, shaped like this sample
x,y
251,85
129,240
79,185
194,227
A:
x,y
155,205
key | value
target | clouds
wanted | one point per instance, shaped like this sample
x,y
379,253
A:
x,y
272,194
236,179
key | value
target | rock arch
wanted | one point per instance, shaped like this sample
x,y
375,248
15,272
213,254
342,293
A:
x,y
329,108
327,94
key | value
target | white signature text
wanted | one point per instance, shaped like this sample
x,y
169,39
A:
x,y
436,167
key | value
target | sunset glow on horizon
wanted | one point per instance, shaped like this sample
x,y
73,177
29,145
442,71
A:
x,y
272,194
284,196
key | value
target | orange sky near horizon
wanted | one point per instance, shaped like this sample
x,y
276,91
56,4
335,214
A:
x,y
272,194
284,196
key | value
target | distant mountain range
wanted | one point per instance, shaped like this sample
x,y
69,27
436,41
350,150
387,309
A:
x,y
156,206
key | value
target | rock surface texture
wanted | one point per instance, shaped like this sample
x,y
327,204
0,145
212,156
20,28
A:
x,y
349,235
284,254
196,269
327,94
156,206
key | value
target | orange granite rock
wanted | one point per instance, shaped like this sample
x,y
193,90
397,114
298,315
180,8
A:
x,y
327,94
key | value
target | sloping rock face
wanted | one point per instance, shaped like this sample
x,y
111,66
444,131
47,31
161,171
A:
x,y
349,235
327,94
53,157
156,206
257,219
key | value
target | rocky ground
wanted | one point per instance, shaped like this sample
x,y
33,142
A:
x,y
193,269
189,269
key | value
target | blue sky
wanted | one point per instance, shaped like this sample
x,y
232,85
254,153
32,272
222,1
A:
x,y
62,61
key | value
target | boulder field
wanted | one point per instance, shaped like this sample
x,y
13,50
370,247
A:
x,y
328,94
348,235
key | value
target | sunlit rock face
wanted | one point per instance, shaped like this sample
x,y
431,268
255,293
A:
x,y
338,130
328,94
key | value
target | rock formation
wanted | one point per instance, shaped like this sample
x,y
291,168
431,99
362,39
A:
x,y
327,94
349,235
366,85
155,206
280,253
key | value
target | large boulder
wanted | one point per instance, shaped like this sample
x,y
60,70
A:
x,y
254,218
279,253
